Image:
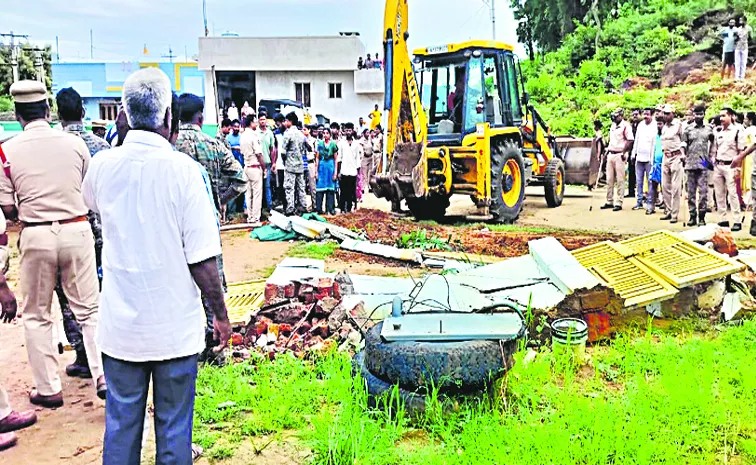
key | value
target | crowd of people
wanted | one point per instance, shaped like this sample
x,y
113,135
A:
x,y
371,62
666,158
87,205
296,168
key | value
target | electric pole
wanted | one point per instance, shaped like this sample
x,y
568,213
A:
x,y
170,55
15,48
492,5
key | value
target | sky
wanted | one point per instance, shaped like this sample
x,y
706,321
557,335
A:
x,y
122,28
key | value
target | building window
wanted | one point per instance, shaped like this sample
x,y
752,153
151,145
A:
x,y
109,111
302,91
334,90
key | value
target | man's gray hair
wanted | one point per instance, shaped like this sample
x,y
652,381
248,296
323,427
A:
x,y
146,97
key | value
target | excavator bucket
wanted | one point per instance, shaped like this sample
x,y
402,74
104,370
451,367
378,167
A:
x,y
581,162
405,173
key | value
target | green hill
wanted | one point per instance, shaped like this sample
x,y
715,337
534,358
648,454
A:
x,y
627,54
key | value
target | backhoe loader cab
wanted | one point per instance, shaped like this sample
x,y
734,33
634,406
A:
x,y
459,122
463,88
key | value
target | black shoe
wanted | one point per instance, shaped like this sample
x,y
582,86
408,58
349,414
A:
x,y
724,224
607,206
666,217
673,221
650,212
693,222
617,208
702,219
80,367
753,228
637,207
737,227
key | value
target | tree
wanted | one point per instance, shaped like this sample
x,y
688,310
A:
x,y
25,65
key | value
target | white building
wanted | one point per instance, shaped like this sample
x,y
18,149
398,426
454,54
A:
x,y
320,72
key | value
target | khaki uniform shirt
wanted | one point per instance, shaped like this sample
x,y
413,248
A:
x,y
619,135
250,146
728,143
672,136
47,168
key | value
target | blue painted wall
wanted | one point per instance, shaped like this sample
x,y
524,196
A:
x,y
98,82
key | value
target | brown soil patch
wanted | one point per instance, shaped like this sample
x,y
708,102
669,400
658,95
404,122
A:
x,y
383,227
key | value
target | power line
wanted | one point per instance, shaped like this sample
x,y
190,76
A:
x,y
15,51
492,5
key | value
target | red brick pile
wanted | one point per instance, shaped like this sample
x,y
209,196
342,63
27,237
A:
x,y
299,317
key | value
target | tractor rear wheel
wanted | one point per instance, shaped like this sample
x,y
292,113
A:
x,y
554,183
428,208
507,181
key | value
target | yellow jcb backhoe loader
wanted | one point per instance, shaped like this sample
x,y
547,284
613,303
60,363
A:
x,y
459,122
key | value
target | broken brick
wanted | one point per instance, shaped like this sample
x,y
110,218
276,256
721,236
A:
x,y
320,329
599,326
595,300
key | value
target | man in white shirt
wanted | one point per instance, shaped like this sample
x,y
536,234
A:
x,y
643,153
160,242
254,168
350,158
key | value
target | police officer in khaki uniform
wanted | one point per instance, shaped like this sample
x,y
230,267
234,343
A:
x,y
41,186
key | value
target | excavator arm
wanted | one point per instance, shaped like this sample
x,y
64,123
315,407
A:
x,y
404,171
407,121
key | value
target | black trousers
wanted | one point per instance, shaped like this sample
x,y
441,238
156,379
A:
x,y
631,181
348,199
330,204
280,188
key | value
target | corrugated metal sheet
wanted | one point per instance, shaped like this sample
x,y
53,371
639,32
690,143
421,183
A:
x,y
613,264
243,299
680,262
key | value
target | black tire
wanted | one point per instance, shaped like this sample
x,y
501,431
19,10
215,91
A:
x,y
380,391
428,208
554,183
449,366
503,153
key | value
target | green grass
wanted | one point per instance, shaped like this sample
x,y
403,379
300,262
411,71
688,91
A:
x,y
514,228
651,398
316,250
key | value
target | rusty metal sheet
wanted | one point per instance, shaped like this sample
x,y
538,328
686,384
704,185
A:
x,y
633,281
243,299
680,262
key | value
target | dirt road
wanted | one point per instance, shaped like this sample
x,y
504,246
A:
x,y
580,210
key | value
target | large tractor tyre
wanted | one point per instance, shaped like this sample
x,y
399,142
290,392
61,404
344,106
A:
x,y
458,367
507,181
428,208
381,393
554,183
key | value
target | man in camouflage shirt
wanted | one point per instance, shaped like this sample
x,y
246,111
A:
x,y
293,150
71,115
698,138
226,175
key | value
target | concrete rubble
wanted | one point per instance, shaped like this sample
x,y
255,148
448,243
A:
x,y
307,309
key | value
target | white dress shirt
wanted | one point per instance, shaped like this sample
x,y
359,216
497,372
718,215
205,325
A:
x,y
350,156
157,218
645,137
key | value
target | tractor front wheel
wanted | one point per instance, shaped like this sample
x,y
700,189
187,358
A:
x,y
554,183
507,181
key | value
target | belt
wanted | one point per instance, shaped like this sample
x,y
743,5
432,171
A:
x,y
78,219
724,162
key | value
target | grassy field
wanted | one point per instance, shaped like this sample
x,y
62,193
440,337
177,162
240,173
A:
x,y
648,398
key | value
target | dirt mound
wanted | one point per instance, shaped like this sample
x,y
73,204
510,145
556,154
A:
x,y
706,28
476,240
678,70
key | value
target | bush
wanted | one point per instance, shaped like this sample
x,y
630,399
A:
x,y
6,103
